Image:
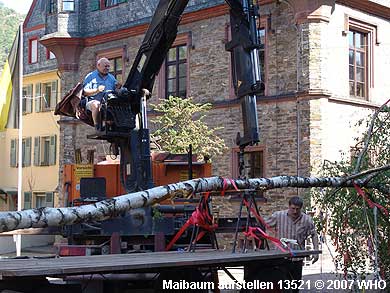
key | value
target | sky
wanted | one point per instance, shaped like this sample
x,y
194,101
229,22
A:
x,y
21,6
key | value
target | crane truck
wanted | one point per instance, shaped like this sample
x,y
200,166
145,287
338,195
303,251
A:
x,y
125,125
124,122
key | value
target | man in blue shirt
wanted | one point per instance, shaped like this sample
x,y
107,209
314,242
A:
x,y
96,83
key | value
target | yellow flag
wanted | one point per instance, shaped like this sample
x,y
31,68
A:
x,y
9,88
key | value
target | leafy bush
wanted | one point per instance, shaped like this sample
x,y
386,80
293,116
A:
x,y
181,124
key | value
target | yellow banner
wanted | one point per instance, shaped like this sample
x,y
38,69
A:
x,y
5,95
10,84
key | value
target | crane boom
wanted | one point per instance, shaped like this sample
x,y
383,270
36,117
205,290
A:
x,y
158,40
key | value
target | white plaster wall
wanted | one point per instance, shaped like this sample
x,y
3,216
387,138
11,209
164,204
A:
x,y
340,130
336,45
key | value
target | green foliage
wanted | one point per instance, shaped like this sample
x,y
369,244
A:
x,y
157,215
9,22
181,124
349,220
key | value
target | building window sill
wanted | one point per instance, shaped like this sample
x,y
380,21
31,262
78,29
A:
x,y
354,101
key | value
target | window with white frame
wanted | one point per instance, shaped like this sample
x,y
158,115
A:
x,y
358,67
33,50
68,5
46,96
49,95
45,150
362,37
43,199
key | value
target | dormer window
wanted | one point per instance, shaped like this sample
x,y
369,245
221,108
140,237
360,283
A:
x,y
103,4
68,5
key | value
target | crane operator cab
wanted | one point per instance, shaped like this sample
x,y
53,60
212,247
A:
x,y
123,123
116,116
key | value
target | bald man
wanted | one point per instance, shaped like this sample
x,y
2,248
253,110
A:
x,y
96,83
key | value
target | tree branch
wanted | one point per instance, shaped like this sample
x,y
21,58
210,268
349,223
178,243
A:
x,y
368,137
367,172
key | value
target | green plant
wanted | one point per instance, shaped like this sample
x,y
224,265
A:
x,y
9,21
350,219
156,214
181,123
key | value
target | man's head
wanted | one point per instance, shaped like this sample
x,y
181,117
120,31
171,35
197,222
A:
x,y
295,205
103,66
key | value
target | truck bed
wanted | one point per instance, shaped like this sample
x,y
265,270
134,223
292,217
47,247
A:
x,y
132,263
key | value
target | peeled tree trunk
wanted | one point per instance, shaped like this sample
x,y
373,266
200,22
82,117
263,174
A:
x,y
113,207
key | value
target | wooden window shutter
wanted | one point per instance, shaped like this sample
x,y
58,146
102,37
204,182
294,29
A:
x,y
27,200
38,98
13,153
54,95
24,152
28,152
24,103
29,98
49,199
53,148
37,152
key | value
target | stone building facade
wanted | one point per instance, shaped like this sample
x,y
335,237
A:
x,y
314,92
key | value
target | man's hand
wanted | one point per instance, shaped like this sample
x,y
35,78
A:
x,y
314,258
101,88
